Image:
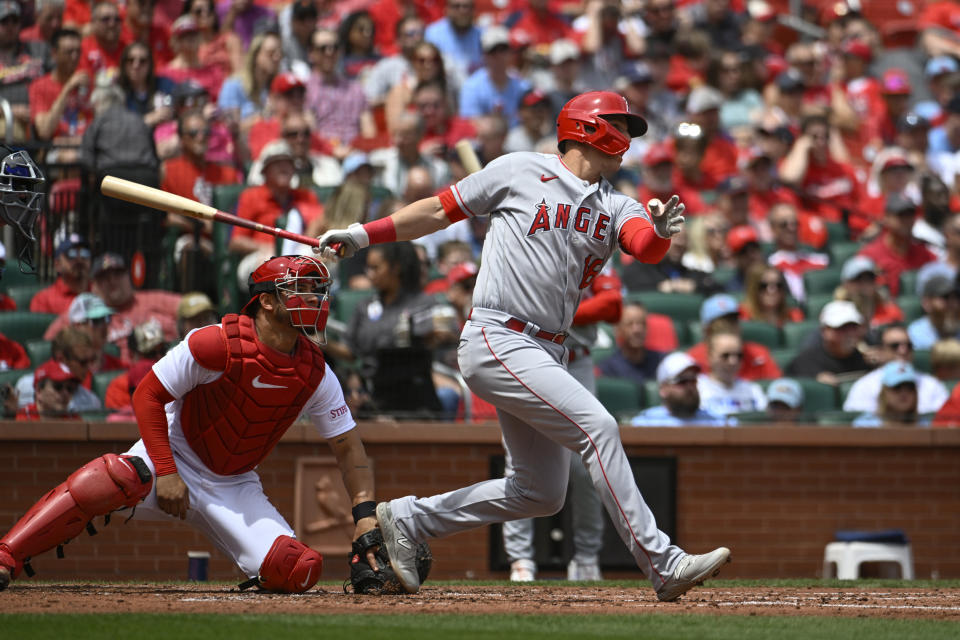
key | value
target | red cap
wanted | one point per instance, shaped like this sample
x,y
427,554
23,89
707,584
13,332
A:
x,y
56,371
284,82
658,154
896,162
896,82
461,272
740,236
859,49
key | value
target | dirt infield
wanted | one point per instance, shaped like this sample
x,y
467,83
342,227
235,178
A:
x,y
939,604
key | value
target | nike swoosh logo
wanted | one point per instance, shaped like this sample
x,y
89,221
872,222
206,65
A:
x,y
403,542
544,178
304,583
264,385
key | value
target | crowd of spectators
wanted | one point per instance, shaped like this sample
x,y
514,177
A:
x,y
818,163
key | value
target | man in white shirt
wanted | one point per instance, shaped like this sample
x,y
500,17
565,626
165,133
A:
x,y
722,391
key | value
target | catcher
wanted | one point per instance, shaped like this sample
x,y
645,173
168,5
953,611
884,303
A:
x,y
209,412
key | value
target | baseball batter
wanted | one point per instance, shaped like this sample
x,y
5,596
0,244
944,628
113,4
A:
x,y
209,412
554,223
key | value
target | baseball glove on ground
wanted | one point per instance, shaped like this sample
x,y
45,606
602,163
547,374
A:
x,y
365,580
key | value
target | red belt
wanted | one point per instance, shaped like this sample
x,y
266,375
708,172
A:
x,y
515,324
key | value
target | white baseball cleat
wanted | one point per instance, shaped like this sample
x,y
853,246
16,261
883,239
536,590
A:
x,y
692,571
583,571
401,550
523,570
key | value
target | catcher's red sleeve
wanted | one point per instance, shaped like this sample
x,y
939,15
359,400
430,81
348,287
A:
x,y
638,238
148,402
605,306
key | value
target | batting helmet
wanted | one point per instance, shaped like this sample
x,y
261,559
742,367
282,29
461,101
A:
x,y
302,284
582,119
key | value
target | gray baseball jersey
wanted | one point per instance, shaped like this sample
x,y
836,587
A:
x,y
550,234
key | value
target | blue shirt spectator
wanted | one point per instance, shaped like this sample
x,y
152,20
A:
x,y
677,377
458,41
234,96
661,417
480,96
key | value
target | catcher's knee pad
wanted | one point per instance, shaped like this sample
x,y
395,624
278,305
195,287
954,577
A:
x,y
290,567
102,485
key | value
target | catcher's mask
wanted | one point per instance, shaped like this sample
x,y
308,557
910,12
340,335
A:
x,y
302,285
21,195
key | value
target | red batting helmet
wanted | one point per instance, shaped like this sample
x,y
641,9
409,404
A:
x,y
302,284
582,119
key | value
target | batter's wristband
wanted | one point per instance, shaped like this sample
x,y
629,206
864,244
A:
x,y
380,231
364,510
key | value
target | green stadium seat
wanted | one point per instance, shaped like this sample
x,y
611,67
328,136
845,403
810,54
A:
x,y
921,361
22,326
102,380
817,396
783,356
795,333
12,277
682,307
836,418
723,275
843,390
821,280
651,393
10,376
836,232
23,294
762,332
346,301
226,196
619,396
840,252
38,351
908,283
599,355
911,306
752,417
694,332
816,302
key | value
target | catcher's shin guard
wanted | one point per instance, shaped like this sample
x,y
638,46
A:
x,y
102,485
290,567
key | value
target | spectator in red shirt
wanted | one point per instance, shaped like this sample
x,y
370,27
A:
x,y
12,355
896,250
47,19
59,101
72,263
688,147
76,14
890,174
538,26
101,50
287,97
139,26
895,90
659,179
721,314
859,285
788,256
746,253
860,112
441,130
190,174
55,385
720,154
829,187
21,62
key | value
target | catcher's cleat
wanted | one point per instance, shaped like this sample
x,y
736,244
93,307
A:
x,y
692,571
401,551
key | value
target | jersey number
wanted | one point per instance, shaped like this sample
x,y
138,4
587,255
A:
x,y
591,269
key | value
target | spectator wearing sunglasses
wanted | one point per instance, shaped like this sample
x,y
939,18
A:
x,y
677,378
101,51
72,264
55,385
767,297
71,349
895,346
91,315
897,401
722,390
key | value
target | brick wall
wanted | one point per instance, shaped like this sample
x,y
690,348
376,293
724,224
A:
x,y
774,496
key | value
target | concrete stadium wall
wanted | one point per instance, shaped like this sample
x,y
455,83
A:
x,y
773,495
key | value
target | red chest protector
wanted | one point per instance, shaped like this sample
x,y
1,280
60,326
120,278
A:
x,y
234,422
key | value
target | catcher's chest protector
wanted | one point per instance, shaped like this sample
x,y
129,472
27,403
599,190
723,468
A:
x,y
234,422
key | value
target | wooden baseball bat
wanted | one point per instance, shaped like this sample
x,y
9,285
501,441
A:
x,y
468,157
158,199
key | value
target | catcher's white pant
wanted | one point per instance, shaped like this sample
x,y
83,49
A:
x,y
584,501
544,414
232,511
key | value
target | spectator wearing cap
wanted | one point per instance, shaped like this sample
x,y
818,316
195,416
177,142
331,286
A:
x,y
186,65
147,346
59,106
720,155
636,83
12,354
720,313
632,359
733,201
788,256
722,390
890,174
494,88
670,275
742,103
337,104
194,311
460,282
745,250
766,297
244,18
896,250
787,99
945,137
54,387
287,97
274,203
912,136
399,68
113,285
21,62
894,346
101,50
940,300
139,26
828,186
859,110
394,163
935,206
897,402
943,78
660,179
71,262
72,348
538,25
89,314
458,37
895,91
536,125
313,164
785,401
686,150
836,351
859,283
677,377
565,71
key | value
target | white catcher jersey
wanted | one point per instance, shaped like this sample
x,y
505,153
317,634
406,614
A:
x,y
550,234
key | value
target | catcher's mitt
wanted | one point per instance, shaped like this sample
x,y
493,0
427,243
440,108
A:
x,y
365,580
